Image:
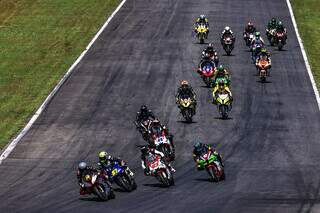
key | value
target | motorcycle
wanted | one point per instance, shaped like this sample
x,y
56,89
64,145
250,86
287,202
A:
x,y
213,57
187,107
271,36
248,37
162,143
256,49
206,70
121,177
228,44
96,184
263,65
202,31
280,40
224,104
211,164
160,170
143,127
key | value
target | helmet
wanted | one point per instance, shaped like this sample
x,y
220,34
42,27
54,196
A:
x,y
221,83
184,83
274,20
227,28
197,145
220,68
257,34
202,17
143,108
250,24
103,156
82,166
280,23
210,47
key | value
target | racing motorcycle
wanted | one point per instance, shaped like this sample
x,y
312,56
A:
x,y
263,65
187,107
228,44
248,37
122,177
143,127
211,164
224,104
206,70
256,49
96,184
202,31
213,57
161,142
160,170
280,40
271,36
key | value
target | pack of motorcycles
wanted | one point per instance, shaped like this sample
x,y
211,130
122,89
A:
x,y
158,138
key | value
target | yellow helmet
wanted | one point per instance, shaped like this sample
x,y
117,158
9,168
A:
x,y
103,156
87,178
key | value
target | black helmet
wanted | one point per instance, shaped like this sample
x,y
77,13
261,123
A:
x,y
280,24
221,83
82,166
197,145
210,47
250,24
274,20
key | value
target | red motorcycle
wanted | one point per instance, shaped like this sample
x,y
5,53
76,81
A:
x,y
96,184
280,40
206,71
160,170
161,142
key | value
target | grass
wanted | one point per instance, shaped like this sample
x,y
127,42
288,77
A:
x,y
40,39
307,14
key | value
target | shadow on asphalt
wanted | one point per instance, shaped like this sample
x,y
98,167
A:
x,y
186,122
156,185
204,180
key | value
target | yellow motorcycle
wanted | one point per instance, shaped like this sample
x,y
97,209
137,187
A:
x,y
187,108
224,104
202,31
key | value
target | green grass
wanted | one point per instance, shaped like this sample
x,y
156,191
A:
x,y
40,39
307,14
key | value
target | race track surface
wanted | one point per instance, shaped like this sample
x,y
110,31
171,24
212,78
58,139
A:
x,y
270,145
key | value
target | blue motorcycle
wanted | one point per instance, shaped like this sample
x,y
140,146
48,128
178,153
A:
x,y
122,177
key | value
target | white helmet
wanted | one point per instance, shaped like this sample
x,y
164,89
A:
x,y
227,28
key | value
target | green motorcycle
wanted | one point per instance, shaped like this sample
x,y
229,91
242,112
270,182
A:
x,y
211,164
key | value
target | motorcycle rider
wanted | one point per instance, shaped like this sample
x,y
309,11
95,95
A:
x,y
227,32
155,126
264,54
201,148
142,116
202,19
106,162
147,152
281,29
272,24
221,88
250,28
258,40
211,52
221,72
186,89
83,170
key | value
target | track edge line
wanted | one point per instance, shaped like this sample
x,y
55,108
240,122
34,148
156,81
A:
x,y
9,148
304,54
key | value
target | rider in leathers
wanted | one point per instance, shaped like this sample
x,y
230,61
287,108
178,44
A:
x,y
106,162
221,88
281,29
200,149
227,32
186,90
83,170
145,152
202,19
211,53
142,116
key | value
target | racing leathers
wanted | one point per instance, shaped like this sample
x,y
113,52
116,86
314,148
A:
x,y
153,152
107,165
87,171
202,149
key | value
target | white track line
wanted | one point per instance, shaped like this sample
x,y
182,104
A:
x,y
314,86
8,149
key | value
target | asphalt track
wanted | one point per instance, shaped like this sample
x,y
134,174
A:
x,y
270,145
